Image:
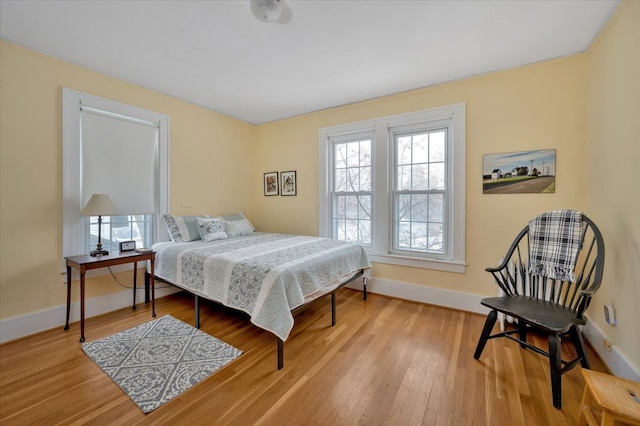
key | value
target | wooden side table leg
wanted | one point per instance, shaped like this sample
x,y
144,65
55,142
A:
x,y
146,287
584,411
135,280
82,272
608,419
66,327
153,287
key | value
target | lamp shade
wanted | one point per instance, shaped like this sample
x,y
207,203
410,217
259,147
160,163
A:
x,y
99,205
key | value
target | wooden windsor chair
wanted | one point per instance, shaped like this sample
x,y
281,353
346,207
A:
x,y
553,307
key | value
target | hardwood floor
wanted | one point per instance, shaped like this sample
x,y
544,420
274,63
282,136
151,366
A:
x,y
387,361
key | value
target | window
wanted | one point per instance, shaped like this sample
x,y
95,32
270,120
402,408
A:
x,y
419,191
351,192
138,228
121,151
396,185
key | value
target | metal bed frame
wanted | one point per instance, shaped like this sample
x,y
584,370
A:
x,y
280,342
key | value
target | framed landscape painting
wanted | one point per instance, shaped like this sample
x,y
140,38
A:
x,y
532,172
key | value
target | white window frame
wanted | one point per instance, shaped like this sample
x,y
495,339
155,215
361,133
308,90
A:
x,y
382,199
75,226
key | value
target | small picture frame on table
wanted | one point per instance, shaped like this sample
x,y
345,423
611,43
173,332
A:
x,y
270,184
288,183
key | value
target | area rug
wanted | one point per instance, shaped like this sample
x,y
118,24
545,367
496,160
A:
x,y
157,361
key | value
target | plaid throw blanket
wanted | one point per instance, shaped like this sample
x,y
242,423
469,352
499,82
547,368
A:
x,y
554,240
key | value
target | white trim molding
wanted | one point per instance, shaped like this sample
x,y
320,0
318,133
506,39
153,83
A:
x,y
617,362
36,322
420,293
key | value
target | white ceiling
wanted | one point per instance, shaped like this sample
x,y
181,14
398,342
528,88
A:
x,y
217,55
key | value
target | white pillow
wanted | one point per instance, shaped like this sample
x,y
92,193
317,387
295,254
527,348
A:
x,y
212,228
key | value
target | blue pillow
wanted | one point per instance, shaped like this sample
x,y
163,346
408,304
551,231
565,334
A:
x,y
182,228
237,225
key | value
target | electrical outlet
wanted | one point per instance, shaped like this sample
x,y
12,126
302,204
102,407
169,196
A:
x,y
607,344
610,314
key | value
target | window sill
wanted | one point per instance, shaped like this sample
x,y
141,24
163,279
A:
x,y
438,265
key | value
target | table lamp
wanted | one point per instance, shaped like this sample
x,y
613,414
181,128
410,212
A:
x,y
99,205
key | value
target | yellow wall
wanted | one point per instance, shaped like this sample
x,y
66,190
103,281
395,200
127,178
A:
x,y
534,107
203,178
613,181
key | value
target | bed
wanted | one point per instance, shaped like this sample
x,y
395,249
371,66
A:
x,y
268,276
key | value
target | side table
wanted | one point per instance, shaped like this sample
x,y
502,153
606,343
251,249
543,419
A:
x,y
615,398
84,263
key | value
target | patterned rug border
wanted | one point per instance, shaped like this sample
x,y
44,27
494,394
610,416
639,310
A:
x,y
156,361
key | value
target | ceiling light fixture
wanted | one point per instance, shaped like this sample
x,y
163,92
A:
x,y
271,11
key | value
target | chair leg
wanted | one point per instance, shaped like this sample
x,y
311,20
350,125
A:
x,y
578,343
486,332
555,365
522,334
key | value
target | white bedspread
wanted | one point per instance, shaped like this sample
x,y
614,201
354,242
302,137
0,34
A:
x,y
264,275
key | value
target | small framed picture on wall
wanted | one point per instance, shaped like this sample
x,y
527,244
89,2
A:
x,y
288,183
270,184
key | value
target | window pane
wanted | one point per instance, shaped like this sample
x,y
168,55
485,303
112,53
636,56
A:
x,y
404,235
340,156
403,207
435,237
352,207
436,207
353,179
364,207
403,178
365,179
436,176
365,153
419,207
340,229
351,230
365,231
353,154
419,178
420,148
120,231
418,235
340,184
437,146
403,150
341,206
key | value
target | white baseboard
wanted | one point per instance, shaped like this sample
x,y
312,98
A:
x,y
419,293
24,325
615,360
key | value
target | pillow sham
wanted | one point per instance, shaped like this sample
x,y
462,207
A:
x,y
237,216
212,228
237,225
182,228
238,228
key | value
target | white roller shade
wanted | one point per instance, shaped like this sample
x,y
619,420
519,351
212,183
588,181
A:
x,y
119,159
